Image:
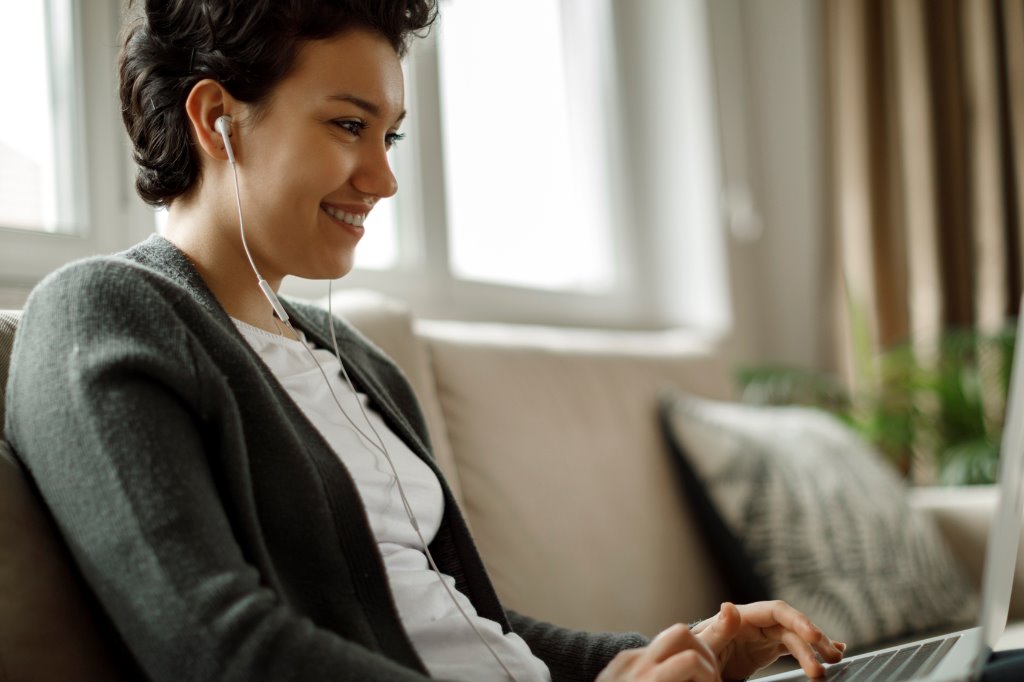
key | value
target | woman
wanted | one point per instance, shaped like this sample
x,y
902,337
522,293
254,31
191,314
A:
x,y
240,508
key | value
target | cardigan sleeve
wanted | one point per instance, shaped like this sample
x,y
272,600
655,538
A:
x,y
107,411
572,655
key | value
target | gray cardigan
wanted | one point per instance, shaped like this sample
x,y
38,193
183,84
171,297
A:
x,y
222,537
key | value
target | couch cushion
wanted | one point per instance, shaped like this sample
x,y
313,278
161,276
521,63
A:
x,y
47,628
821,520
562,465
8,323
964,515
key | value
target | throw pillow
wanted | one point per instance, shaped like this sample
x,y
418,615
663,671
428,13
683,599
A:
x,y
815,517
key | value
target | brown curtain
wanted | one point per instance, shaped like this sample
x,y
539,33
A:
x,y
925,117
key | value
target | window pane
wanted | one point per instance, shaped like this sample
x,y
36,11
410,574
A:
x,y
525,202
378,249
37,183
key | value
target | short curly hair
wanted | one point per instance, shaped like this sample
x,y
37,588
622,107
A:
x,y
246,45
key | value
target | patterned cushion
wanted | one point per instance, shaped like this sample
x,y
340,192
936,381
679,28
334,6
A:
x,y
815,517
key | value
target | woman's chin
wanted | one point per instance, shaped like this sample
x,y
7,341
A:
x,y
335,270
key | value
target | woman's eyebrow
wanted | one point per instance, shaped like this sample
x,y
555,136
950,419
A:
x,y
363,104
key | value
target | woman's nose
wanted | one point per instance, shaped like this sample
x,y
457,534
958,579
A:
x,y
374,176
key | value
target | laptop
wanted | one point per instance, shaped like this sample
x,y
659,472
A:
x,y
961,656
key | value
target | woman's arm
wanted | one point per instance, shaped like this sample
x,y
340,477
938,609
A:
x,y
572,654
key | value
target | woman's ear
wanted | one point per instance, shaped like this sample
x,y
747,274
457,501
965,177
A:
x,y
207,102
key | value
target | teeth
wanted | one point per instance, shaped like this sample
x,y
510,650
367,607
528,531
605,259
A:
x,y
356,219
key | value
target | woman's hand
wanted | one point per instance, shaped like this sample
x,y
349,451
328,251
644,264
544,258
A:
x,y
746,638
675,655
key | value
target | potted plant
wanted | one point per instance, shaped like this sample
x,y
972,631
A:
x,y
942,411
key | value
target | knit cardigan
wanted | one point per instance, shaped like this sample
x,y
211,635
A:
x,y
221,535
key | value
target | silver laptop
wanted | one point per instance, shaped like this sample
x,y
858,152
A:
x,y
961,656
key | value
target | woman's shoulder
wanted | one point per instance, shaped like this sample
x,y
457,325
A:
x,y
99,297
113,284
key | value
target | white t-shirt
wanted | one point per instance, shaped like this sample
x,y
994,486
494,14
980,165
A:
x,y
442,637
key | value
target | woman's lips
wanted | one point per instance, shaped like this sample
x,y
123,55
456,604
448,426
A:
x,y
349,218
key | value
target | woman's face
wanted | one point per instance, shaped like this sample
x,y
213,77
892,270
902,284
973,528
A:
x,y
313,164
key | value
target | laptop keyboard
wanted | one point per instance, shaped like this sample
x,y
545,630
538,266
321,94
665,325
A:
x,y
893,666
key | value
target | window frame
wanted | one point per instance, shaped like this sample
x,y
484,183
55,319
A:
x,y
114,217
641,298
648,279
423,279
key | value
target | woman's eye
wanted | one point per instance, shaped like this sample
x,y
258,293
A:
x,y
351,126
391,138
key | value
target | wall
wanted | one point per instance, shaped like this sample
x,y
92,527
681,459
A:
x,y
768,60
12,297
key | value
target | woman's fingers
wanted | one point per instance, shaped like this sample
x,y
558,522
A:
x,y
680,639
675,655
803,653
718,632
770,613
676,639
775,614
801,649
686,666
739,640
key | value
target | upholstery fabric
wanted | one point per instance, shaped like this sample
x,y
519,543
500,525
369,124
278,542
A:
x,y
47,629
824,522
8,323
964,515
556,441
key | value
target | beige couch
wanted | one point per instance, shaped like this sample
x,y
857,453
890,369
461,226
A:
x,y
550,440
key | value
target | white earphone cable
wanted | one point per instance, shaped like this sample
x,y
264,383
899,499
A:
x,y
379,444
241,223
401,490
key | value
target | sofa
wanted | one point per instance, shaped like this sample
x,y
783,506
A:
x,y
551,442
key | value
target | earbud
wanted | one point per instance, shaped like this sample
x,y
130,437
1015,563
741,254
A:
x,y
223,126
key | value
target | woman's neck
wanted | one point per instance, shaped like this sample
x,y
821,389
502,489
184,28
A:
x,y
220,259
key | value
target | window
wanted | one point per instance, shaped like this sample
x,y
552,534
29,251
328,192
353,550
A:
x,y
39,144
536,184
65,168
511,195
538,187
378,249
524,147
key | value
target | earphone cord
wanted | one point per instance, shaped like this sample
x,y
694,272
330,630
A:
x,y
379,445
241,223
382,449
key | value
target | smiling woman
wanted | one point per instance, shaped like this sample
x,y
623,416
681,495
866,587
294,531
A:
x,y
248,484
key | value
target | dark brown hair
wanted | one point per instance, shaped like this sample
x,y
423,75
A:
x,y
246,45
